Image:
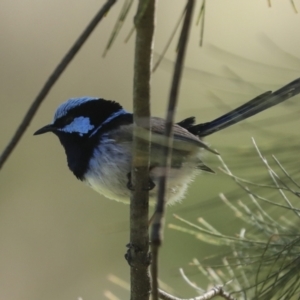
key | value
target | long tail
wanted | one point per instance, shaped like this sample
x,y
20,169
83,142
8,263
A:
x,y
247,110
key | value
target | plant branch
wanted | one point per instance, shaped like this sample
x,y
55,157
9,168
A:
x,y
139,208
52,80
216,291
157,227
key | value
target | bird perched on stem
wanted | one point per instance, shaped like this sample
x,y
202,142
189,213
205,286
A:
x,y
97,137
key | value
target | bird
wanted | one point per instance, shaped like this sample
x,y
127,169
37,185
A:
x,y
97,136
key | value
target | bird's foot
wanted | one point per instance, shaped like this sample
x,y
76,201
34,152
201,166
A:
x,y
151,184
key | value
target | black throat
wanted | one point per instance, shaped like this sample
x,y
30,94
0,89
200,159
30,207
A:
x,y
80,149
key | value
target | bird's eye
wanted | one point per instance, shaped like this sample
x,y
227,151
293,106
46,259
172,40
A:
x,y
62,122
67,120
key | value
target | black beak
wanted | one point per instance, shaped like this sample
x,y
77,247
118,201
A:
x,y
47,128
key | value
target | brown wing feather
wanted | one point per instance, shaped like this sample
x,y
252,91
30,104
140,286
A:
x,y
180,134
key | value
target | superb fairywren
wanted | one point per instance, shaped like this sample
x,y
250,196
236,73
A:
x,y
97,136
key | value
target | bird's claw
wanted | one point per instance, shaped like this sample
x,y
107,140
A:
x,y
151,184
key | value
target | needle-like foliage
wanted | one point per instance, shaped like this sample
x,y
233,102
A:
x,y
262,260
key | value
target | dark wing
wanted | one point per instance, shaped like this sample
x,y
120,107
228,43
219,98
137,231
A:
x,y
187,123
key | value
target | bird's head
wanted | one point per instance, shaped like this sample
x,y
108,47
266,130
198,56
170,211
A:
x,y
82,117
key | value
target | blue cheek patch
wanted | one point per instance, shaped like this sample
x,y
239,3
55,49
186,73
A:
x,y
80,125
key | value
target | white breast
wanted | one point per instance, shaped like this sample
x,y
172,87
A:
x,y
108,169
111,162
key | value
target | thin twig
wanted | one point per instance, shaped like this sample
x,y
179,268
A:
x,y
191,284
285,172
161,56
52,79
203,7
127,38
139,208
118,25
294,6
236,178
273,176
252,193
157,227
216,291
227,240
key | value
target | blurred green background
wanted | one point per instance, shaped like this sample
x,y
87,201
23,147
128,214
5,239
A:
x,y
59,239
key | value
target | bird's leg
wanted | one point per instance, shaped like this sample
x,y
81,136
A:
x,y
129,183
151,184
